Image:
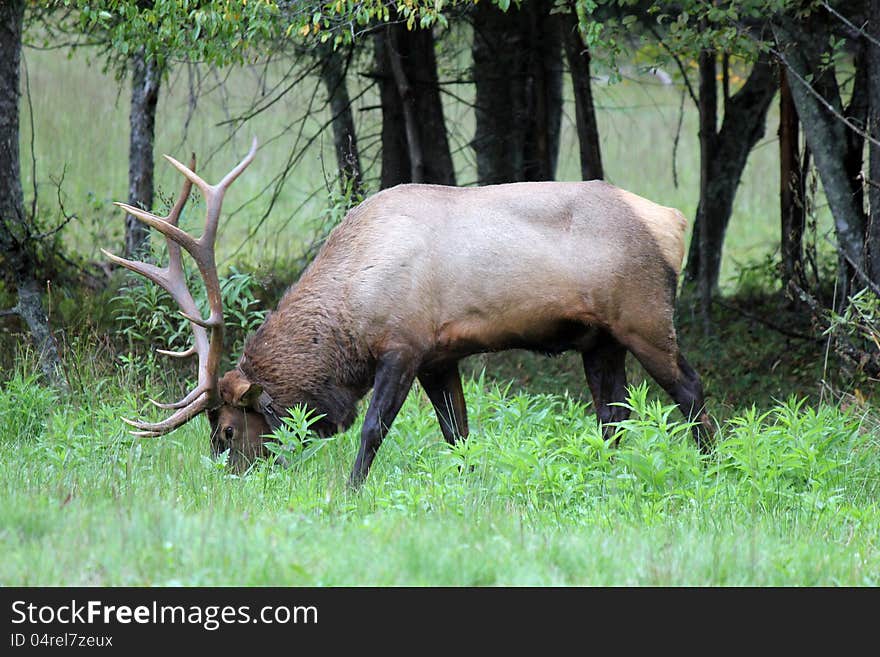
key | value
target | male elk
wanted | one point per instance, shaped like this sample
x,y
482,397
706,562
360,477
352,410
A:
x,y
417,277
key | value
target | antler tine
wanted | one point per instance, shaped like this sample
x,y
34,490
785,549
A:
x,y
176,287
230,177
169,230
188,399
174,216
152,272
168,225
172,279
175,420
178,354
189,173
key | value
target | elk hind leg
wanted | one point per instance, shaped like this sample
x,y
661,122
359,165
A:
x,y
666,365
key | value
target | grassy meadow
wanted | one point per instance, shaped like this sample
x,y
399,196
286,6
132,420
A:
x,y
534,497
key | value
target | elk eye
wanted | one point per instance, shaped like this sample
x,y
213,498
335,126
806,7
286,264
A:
x,y
228,431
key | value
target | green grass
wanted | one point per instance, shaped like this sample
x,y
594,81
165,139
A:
x,y
535,496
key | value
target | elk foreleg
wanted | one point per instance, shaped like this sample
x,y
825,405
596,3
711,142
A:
x,y
395,373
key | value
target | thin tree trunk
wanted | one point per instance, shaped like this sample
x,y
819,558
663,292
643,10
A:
x,y
578,56
408,103
333,73
873,57
826,135
145,81
11,195
708,153
497,54
18,246
727,152
792,190
420,66
851,275
543,99
857,113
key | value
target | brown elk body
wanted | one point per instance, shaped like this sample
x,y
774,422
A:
x,y
417,277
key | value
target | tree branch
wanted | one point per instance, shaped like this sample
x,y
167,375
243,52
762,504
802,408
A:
x,y
843,19
767,323
862,276
67,218
676,140
678,63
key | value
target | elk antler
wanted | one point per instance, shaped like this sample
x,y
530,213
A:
x,y
172,280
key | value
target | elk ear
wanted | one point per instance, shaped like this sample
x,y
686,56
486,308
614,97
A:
x,y
237,390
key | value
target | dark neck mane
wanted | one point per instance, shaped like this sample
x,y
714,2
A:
x,y
304,354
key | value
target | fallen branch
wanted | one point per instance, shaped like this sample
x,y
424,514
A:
x,y
768,323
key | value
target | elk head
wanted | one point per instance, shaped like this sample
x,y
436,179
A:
x,y
232,403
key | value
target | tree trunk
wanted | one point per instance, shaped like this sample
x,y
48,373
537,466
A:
x,y
857,113
702,243
18,247
333,72
723,157
826,136
11,195
517,69
145,81
397,50
873,59
497,54
395,154
415,147
792,188
543,100
578,56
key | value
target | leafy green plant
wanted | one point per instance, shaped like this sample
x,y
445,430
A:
x,y
855,333
535,494
149,316
293,442
778,456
